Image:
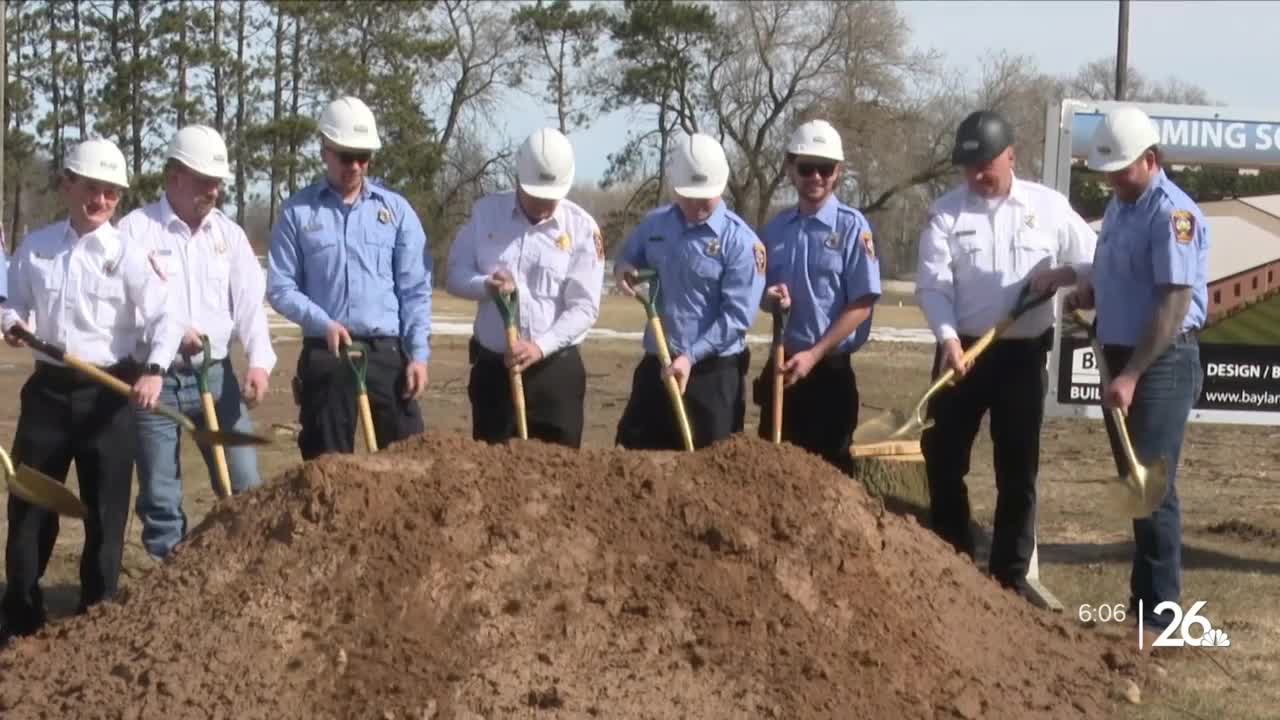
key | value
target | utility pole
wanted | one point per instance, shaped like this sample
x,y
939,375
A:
x,y
1122,49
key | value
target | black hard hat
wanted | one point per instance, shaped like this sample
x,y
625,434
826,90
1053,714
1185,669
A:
x,y
982,136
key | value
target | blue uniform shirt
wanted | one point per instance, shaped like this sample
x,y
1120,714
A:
x,y
365,266
1160,239
827,261
711,276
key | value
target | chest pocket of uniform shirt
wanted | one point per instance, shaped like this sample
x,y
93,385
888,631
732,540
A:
x,y
705,269
217,282
549,272
1033,250
107,298
971,255
382,245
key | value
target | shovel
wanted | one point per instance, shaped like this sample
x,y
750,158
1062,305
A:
x,y
39,489
509,308
664,355
357,356
211,416
893,425
229,438
780,317
1144,485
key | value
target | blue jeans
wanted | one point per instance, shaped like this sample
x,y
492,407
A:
x,y
1157,420
159,503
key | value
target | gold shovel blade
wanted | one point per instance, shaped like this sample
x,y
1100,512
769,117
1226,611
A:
x,y
1136,497
39,489
887,426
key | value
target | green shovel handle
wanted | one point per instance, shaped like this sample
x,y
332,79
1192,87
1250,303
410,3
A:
x,y
202,370
359,367
780,318
508,306
650,303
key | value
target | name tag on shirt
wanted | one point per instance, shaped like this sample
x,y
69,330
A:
x,y
312,227
655,238
45,256
164,252
962,233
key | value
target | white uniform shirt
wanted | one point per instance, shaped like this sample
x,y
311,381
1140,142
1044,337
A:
x,y
86,295
975,255
215,282
558,266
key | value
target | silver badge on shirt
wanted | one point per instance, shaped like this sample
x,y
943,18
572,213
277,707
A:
x,y
713,248
834,241
384,216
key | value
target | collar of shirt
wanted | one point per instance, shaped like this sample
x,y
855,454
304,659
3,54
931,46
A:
x,y
717,222
517,213
828,214
367,190
105,239
169,219
1017,195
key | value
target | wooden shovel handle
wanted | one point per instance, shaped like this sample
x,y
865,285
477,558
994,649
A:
x,y
778,376
673,387
219,455
517,390
366,421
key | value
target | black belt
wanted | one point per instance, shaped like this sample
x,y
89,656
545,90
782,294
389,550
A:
x,y
375,342
477,352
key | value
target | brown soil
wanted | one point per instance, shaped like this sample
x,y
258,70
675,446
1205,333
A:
x,y
446,579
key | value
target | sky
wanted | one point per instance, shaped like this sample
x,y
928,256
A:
x,y
1227,48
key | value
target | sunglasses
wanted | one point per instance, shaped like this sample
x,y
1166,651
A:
x,y
347,157
805,169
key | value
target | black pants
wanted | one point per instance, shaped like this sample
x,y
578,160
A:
x,y
819,412
327,396
66,417
714,402
554,392
1009,381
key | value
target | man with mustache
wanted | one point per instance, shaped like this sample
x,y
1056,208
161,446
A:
x,y
80,285
710,266
348,262
215,288
823,270
986,240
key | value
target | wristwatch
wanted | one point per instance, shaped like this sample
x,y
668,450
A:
x,y
154,369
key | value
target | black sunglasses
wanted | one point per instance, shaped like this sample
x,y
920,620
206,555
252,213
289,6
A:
x,y
805,169
347,157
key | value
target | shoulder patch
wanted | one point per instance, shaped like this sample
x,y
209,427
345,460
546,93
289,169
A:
x,y
1184,225
760,256
599,243
868,244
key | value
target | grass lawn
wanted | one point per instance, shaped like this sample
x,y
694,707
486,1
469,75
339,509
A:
x,y
1256,325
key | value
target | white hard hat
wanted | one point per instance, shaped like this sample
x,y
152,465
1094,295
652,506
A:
x,y
202,149
347,122
699,168
816,138
545,165
99,159
1123,135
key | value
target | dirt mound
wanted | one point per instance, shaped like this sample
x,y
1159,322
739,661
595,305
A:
x,y
446,579
1238,529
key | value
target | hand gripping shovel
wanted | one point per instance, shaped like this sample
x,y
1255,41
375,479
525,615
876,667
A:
x,y
211,416
39,489
202,436
357,356
1144,485
780,318
509,308
650,304
892,425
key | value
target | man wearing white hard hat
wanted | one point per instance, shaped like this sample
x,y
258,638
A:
x,y
823,272
81,286
348,262
541,247
710,265
994,243
1148,283
216,289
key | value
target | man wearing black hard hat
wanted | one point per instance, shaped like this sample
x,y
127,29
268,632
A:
x,y
989,242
